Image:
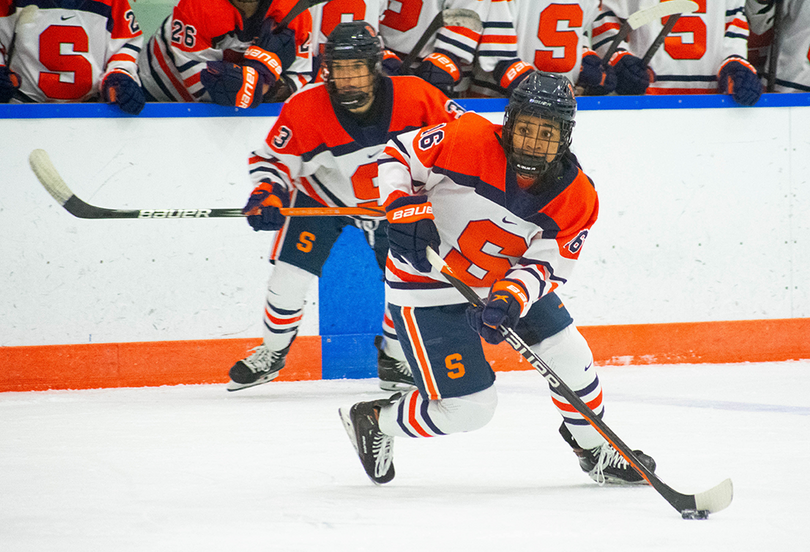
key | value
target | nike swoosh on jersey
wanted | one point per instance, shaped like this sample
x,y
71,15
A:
x,y
508,221
68,17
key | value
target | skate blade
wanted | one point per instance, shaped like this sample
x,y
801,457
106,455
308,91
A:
x,y
345,417
395,386
233,386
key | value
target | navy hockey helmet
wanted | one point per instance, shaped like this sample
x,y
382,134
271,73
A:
x,y
353,40
531,149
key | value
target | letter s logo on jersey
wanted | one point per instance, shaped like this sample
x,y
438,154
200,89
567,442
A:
x,y
576,244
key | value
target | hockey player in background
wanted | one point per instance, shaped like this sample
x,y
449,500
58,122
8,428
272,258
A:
x,y
441,59
62,51
705,53
793,50
508,208
322,151
229,52
551,36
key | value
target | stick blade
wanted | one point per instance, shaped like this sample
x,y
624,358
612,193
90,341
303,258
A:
x,y
643,17
717,498
46,174
459,17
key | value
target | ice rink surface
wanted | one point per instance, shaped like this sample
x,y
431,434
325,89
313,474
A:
x,y
195,468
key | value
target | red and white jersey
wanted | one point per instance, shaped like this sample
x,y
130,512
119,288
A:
x,y
691,56
328,156
551,35
325,17
199,31
489,227
405,21
63,55
793,60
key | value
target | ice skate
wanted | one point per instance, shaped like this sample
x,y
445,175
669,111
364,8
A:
x,y
375,449
260,367
395,375
604,464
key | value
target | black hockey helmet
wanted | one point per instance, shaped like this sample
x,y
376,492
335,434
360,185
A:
x,y
353,40
546,95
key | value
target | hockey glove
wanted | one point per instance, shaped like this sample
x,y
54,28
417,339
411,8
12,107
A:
x,y
9,83
441,70
273,52
595,78
120,89
506,300
632,76
510,73
391,63
232,85
262,208
739,78
412,230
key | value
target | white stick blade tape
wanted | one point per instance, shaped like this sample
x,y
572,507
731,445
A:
x,y
715,499
459,17
48,177
643,17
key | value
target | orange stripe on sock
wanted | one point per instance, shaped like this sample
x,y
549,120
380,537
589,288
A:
x,y
412,402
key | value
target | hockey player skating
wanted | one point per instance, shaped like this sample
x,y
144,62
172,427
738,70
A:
x,y
322,151
508,208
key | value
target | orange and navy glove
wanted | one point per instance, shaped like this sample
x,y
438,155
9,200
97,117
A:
x,y
507,299
263,207
9,83
595,78
232,85
632,76
739,78
120,89
440,69
411,230
273,52
391,64
510,73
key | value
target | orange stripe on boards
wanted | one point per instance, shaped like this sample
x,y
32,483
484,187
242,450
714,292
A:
x,y
682,343
142,364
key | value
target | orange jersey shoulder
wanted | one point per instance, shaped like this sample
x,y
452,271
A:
x,y
417,103
309,117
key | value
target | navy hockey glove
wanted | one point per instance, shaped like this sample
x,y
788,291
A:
x,y
632,76
391,63
506,300
595,78
510,73
441,70
411,230
262,208
232,85
739,78
272,53
9,83
120,89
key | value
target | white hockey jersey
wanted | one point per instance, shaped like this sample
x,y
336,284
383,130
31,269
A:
x,y
489,227
691,56
551,35
325,17
63,54
793,58
405,21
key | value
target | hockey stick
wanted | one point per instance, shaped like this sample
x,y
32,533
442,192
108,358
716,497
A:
x,y
449,17
646,16
774,50
696,506
49,178
298,9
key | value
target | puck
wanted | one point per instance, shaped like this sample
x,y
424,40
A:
x,y
695,514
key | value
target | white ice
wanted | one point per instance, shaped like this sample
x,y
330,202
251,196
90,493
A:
x,y
194,468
